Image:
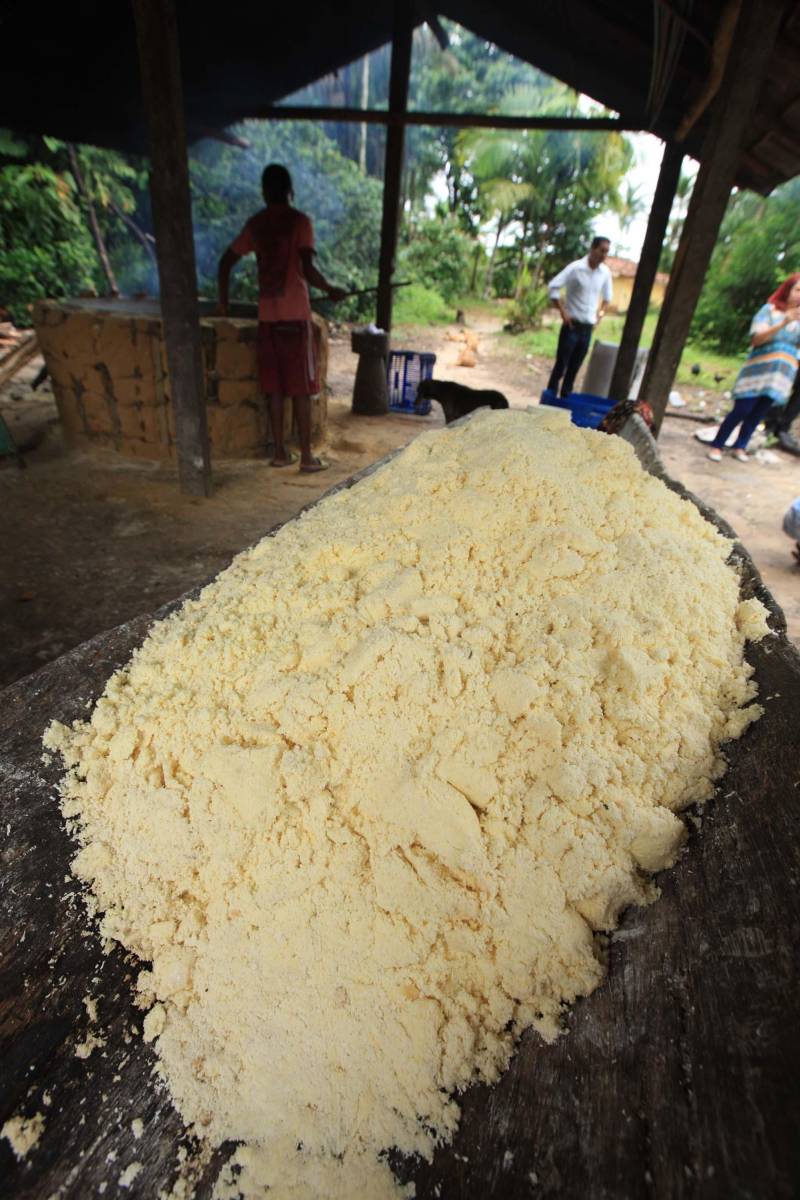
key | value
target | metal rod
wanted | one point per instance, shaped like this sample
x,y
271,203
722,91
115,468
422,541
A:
x,y
365,291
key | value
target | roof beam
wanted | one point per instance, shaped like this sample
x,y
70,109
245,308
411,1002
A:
x,y
375,116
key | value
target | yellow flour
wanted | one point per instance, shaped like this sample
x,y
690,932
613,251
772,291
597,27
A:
x,y
364,803
23,1134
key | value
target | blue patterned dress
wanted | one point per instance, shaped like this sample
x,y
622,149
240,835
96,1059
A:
x,y
770,369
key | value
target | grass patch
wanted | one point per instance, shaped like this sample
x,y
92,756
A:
x,y
544,341
418,305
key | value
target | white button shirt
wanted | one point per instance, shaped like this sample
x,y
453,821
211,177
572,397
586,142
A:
x,y
585,286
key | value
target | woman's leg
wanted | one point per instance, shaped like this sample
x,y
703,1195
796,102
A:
x,y
757,413
738,413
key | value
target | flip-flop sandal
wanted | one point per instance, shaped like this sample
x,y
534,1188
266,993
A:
x,y
312,467
286,463
741,456
715,455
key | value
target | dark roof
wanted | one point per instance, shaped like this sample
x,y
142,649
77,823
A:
x,y
70,70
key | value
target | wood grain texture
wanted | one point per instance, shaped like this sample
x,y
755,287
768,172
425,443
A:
x,y
677,1078
733,109
162,91
657,222
393,163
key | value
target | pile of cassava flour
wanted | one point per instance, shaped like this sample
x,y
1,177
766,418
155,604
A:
x,y
364,803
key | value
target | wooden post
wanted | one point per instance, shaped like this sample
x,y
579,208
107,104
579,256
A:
x,y
159,64
658,220
393,168
744,73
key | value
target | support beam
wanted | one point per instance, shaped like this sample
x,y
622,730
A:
x,y
160,68
467,120
733,106
657,222
393,168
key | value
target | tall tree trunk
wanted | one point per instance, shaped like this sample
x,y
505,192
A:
x,y
548,225
411,188
521,267
487,283
473,283
102,252
362,145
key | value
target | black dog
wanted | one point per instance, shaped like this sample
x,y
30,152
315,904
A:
x,y
455,399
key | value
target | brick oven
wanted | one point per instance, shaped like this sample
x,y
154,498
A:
x,y
107,362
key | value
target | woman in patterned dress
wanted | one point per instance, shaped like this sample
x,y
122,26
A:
x,y
767,377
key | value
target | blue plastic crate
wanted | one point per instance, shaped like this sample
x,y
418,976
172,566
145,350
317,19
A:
x,y
586,410
405,372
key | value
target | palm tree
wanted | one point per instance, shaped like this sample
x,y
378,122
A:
x,y
544,181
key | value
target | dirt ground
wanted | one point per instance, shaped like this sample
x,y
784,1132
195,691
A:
x,y
88,541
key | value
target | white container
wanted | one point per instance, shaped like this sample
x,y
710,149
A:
x,y
602,360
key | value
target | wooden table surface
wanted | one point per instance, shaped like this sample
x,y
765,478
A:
x,y
679,1077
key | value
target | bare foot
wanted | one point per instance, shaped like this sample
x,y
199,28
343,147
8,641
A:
x,y
313,465
715,455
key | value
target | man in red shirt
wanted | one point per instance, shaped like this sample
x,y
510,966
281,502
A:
x,y
283,242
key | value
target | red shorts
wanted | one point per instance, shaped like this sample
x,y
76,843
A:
x,y
287,360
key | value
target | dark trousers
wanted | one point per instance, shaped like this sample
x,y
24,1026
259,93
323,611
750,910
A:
x,y
747,412
573,342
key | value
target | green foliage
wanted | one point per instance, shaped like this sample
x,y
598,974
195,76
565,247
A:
x,y
547,186
344,206
759,245
10,146
440,257
419,305
472,75
526,312
45,248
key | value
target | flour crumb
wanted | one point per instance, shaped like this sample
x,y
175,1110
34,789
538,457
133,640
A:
x,y
87,1047
129,1174
365,803
91,1007
137,1127
23,1134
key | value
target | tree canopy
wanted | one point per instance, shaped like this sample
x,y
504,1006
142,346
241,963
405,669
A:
x,y
487,211
758,246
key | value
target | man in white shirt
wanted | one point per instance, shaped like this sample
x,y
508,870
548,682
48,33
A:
x,y
587,283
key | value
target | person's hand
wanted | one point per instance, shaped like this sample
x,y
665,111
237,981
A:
x,y
336,293
567,319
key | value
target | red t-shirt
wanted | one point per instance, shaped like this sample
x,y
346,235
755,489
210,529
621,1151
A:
x,y
276,235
